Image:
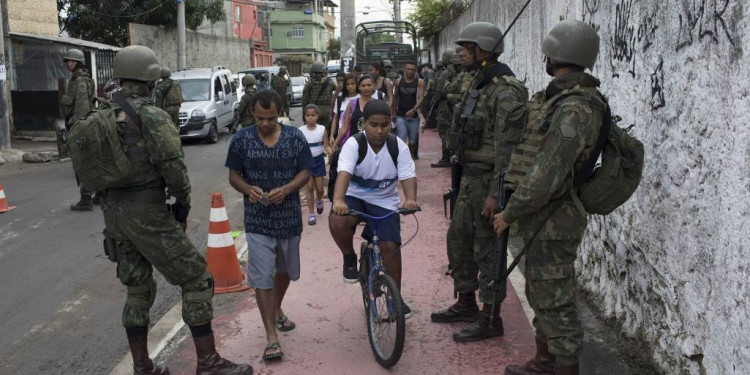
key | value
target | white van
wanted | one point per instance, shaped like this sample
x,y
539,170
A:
x,y
210,102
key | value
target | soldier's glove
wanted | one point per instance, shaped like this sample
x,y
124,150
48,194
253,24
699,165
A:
x,y
181,212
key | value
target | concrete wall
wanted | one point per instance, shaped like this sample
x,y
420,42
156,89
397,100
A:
x,y
33,17
203,50
671,265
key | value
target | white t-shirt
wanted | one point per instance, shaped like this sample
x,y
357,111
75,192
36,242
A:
x,y
314,138
374,180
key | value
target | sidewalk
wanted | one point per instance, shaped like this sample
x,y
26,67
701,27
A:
x,y
331,336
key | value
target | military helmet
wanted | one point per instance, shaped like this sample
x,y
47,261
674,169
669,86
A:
x,y
165,72
387,64
318,67
138,63
74,54
282,69
572,42
483,34
439,64
248,79
447,56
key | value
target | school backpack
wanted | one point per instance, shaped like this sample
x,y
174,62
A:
x,y
391,143
97,150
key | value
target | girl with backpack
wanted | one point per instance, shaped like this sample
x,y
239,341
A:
x,y
341,101
353,113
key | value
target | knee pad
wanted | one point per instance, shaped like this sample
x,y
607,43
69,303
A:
x,y
196,299
142,295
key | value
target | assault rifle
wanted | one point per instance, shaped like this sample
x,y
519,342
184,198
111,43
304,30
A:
x,y
501,250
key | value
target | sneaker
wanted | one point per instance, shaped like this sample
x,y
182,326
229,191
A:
x,y
319,207
351,275
407,311
311,220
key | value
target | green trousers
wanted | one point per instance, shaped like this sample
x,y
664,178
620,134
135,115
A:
x,y
471,241
144,234
551,290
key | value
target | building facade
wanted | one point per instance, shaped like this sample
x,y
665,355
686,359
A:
x,y
302,29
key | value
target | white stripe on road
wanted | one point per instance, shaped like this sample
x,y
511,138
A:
x,y
218,215
220,240
162,329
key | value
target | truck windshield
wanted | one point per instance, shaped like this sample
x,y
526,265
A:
x,y
195,90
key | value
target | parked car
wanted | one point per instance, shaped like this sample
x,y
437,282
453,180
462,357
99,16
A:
x,y
298,84
210,102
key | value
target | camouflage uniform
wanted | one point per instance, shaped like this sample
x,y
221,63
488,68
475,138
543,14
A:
x,y
279,83
244,110
442,80
485,155
169,97
141,227
569,126
77,102
318,91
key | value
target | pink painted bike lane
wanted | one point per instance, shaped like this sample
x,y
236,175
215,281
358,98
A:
x,y
331,333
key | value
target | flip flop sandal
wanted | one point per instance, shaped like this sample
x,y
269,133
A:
x,y
280,320
268,355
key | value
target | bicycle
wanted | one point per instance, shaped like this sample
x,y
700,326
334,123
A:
x,y
384,308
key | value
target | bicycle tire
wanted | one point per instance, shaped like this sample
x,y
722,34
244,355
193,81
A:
x,y
386,287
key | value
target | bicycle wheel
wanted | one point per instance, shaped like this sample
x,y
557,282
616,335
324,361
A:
x,y
386,330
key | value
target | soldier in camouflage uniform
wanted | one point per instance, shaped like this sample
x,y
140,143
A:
x,y
279,83
318,90
390,71
245,109
77,102
441,106
564,122
142,233
169,96
482,149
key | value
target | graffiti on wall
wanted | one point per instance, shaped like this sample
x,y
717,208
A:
x,y
704,19
647,29
622,39
657,92
590,8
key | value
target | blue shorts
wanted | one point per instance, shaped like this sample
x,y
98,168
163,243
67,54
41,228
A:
x,y
388,230
319,166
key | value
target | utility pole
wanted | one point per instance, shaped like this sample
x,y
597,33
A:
x,y
397,17
4,103
181,56
348,35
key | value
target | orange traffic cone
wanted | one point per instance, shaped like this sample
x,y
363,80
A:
x,y
4,202
221,254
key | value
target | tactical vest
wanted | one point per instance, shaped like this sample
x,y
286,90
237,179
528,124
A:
x,y
145,173
479,130
529,141
321,95
172,95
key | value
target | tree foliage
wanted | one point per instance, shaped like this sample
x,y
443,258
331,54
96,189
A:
x,y
334,49
106,21
427,16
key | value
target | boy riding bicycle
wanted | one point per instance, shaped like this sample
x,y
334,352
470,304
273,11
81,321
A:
x,y
367,184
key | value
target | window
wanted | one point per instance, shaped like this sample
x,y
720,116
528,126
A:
x,y
238,13
298,32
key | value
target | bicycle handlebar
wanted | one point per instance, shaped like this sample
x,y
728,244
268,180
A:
x,y
402,211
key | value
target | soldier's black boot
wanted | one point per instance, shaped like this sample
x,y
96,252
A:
x,y
542,364
142,364
566,369
464,310
211,363
85,204
481,328
444,162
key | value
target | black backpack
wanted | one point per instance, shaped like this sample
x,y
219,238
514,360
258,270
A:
x,y
391,143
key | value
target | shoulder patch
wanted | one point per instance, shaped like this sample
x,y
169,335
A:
x,y
508,95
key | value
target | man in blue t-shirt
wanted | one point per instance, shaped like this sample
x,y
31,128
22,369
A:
x,y
268,163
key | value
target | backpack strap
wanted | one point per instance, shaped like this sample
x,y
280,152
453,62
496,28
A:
x,y
601,140
391,143
128,109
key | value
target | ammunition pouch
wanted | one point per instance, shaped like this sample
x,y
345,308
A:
x,y
67,100
110,247
472,132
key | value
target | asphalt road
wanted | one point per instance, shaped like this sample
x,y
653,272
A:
x,y
60,300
